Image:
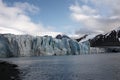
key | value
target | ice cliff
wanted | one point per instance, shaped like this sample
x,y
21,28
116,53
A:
x,y
26,45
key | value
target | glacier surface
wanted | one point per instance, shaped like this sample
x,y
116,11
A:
x,y
25,45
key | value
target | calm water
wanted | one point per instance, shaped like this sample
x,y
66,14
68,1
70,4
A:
x,y
82,67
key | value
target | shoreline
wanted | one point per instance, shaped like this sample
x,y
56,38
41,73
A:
x,y
9,71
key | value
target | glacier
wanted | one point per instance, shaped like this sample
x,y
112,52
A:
x,y
26,45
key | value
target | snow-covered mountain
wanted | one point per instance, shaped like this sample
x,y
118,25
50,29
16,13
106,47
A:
x,y
26,45
111,38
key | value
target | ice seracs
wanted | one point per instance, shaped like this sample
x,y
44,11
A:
x,y
26,45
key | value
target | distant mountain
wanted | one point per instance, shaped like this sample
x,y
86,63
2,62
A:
x,y
81,38
59,36
111,38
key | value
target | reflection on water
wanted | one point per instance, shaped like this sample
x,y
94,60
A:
x,y
83,67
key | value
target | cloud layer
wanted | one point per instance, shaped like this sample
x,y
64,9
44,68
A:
x,y
95,18
14,19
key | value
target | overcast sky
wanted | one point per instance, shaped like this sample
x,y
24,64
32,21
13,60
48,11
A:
x,y
39,17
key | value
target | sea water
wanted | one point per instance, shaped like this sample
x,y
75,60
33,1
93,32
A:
x,y
78,67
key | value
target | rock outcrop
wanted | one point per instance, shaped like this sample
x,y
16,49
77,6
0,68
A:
x,y
109,39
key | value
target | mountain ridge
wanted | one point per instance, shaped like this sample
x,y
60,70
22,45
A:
x,y
111,38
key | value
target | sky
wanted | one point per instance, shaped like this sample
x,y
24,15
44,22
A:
x,y
52,17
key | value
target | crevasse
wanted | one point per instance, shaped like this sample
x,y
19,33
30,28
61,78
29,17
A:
x,y
25,45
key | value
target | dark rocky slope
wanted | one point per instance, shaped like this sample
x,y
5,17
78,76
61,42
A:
x,y
9,71
109,39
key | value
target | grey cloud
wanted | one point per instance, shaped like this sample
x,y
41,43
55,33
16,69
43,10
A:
x,y
97,22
